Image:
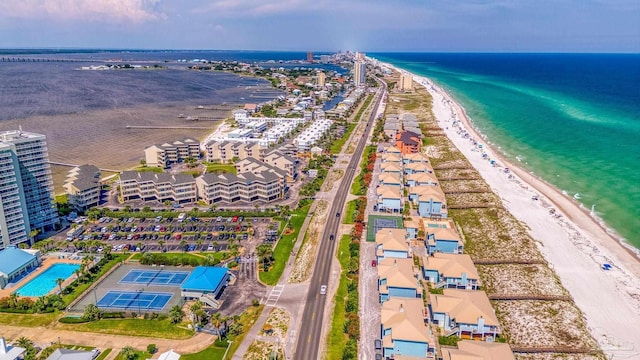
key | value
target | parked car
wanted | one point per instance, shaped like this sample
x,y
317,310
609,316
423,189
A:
x,y
377,343
323,290
374,263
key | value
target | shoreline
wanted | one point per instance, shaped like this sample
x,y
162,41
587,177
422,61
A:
x,y
609,300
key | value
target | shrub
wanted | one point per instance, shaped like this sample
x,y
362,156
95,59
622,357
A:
x,y
152,348
113,315
73,320
255,302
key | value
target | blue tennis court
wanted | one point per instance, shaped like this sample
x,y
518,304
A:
x,y
154,277
135,300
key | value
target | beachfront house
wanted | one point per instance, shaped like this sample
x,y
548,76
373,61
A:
x,y
405,329
165,154
391,243
451,271
82,187
398,277
478,350
421,179
417,168
390,199
431,202
391,158
443,239
465,313
408,142
415,158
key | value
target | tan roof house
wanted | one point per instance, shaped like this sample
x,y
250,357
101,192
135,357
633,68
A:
x,y
476,350
391,243
466,313
405,330
455,271
397,278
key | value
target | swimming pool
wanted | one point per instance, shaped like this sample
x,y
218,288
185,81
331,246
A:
x,y
45,282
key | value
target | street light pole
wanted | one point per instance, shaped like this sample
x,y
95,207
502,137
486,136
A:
x,y
226,351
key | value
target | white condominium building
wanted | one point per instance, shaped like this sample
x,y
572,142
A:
x,y
180,188
262,186
165,154
26,187
83,187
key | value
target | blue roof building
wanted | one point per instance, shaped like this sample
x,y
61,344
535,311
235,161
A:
x,y
205,283
14,263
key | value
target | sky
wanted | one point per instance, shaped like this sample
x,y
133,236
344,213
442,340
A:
x,y
325,25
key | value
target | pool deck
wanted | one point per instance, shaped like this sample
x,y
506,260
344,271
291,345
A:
x,y
47,262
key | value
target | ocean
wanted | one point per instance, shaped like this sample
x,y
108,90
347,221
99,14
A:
x,y
571,119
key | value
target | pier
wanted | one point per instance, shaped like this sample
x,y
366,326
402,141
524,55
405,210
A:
x,y
152,127
37,60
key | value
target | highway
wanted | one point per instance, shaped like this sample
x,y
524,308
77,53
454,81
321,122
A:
x,y
309,338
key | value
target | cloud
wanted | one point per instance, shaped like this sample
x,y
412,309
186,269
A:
x,y
84,10
261,7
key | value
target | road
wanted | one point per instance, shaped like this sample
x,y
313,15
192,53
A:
x,y
309,338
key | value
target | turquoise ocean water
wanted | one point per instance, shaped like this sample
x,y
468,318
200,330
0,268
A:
x,y
572,119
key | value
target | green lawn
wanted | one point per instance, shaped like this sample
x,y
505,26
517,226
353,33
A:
x,y
337,339
139,355
215,353
336,146
350,212
133,327
215,167
179,255
28,320
283,249
145,168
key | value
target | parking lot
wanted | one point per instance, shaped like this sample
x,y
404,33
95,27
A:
x,y
173,234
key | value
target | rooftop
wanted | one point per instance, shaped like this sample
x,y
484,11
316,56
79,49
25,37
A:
x,y
13,258
478,350
205,278
451,265
465,306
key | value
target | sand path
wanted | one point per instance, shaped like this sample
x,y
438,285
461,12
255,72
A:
x,y
107,341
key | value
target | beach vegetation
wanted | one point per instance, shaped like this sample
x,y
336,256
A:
x,y
448,340
219,167
145,168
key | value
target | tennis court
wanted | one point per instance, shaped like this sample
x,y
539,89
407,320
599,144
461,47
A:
x,y
134,300
154,277
377,222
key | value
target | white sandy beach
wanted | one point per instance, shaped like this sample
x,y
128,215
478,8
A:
x,y
573,242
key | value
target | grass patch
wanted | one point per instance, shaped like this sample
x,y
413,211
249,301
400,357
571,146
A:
x,y
350,212
247,319
336,145
194,173
138,355
337,339
218,168
145,168
282,251
199,259
28,320
104,354
133,327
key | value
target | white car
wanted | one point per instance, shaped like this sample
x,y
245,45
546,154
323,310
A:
x,y
323,290
210,247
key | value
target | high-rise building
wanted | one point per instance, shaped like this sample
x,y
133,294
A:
x,y
360,56
310,56
406,82
360,73
26,186
320,78
324,59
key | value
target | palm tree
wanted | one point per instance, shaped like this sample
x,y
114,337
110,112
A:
x,y
199,243
217,319
24,342
197,311
59,281
176,314
161,244
78,272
